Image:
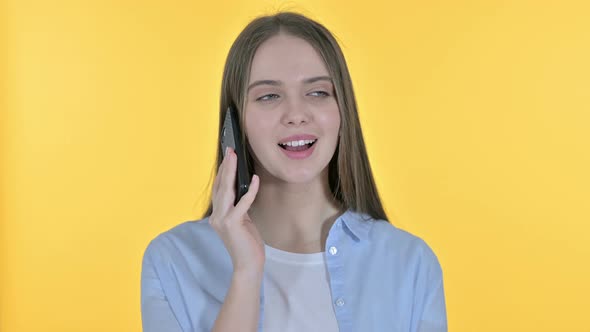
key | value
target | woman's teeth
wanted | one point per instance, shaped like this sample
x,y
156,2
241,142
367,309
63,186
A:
x,y
298,143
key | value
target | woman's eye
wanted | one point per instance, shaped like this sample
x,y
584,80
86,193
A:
x,y
320,93
271,96
267,97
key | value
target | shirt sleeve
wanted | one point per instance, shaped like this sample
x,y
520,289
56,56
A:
x,y
156,313
430,280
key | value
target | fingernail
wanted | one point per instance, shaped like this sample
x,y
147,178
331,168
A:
x,y
225,153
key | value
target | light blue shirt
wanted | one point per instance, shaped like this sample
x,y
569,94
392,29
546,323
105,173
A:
x,y
381,278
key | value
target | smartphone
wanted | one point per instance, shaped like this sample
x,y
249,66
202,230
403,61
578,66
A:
x,y
231,136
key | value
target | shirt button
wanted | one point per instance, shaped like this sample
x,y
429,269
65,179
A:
x,y
340,302
333,250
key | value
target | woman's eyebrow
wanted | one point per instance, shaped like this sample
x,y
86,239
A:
x,y
277,83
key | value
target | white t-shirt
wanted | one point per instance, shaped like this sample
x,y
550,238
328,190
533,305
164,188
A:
x,y
297,293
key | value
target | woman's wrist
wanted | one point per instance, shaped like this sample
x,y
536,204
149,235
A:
x,y
248,275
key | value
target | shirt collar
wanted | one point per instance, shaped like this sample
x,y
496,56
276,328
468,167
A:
x,y
358,223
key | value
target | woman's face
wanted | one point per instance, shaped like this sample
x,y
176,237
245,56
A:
x,y
290,98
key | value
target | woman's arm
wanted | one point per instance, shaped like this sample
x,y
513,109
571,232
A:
x,y
156,314
241,309
239,312
434,317
430,294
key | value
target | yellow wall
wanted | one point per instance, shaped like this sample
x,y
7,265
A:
x,y
476,116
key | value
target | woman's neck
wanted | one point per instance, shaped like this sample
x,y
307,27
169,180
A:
x,y
295,217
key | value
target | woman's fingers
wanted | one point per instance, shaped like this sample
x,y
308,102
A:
x,y
218,177
216,181
246,200
225,193
228,178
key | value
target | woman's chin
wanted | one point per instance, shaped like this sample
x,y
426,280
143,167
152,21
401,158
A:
x,y
298,176
291,173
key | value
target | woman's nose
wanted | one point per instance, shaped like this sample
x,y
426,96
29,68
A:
x,y
296,112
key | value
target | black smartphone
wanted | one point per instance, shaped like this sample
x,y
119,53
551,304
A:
x,y
231,136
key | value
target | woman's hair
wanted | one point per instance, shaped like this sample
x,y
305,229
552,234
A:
x,y
349,172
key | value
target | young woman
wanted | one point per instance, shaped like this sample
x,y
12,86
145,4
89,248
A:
x,y
308,247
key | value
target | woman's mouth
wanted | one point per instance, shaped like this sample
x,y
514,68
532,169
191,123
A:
x,y
300,145
300,149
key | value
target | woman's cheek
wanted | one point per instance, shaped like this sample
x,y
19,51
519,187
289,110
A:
x,y
330,120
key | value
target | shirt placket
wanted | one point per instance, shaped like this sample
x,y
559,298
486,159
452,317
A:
x,y
335,251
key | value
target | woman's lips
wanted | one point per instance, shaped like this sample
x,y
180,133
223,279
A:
x,y
299,154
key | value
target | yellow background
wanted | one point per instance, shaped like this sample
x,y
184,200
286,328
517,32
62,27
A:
x,y
476,116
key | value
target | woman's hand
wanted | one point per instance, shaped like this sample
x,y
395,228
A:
x,y
232,223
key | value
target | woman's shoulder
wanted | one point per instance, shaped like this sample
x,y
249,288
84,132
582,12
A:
x,y
186,238
388,237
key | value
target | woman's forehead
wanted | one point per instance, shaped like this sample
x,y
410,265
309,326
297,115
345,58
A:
x,y
286,58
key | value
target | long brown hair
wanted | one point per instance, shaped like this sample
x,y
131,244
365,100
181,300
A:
x,y
349,172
